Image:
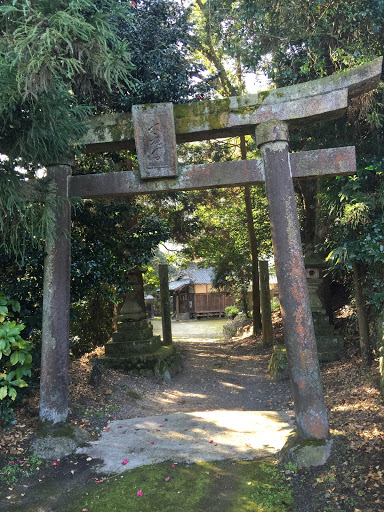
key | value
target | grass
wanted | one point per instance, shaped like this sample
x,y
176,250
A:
x,y
226,486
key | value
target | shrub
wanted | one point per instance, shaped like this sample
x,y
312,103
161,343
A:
x,y
230,328
275,304
7,416
15,357
231,312
91,324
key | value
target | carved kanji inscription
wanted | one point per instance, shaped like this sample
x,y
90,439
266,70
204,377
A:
x,y
155,140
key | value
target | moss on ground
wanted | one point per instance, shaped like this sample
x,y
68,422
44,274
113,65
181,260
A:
x,y
226,486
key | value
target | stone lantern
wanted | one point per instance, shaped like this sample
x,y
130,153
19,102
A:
x,y
329,344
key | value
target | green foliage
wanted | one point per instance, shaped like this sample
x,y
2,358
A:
x,y
306,40
161,49
25,213
91,324
15,469
231,328
357,235
53,56
275,304
108,239
222,241
15,357
7,416
231,312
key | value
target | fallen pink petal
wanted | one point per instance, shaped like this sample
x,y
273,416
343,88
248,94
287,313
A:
x,y
161,425
11,462
125,461
152,442
211,441
139,493
172,465
107,429
55,463
158,430
99,481
186,429
167,479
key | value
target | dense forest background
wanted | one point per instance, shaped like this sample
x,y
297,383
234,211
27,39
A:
x,y
61,61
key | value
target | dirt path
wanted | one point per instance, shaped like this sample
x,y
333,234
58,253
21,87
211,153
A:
x,y
216,375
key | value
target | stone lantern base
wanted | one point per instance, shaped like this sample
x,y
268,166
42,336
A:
x,y
134,348
329,343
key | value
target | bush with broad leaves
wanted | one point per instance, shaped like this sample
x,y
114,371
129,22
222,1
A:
x,y
15,357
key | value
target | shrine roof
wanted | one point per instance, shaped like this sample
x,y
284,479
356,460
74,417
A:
x,y
192,275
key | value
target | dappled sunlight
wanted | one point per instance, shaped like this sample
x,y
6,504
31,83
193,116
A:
x,y
175,397
201,340
191,437
230,385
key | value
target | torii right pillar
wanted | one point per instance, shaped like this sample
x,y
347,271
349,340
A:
x,y
307,389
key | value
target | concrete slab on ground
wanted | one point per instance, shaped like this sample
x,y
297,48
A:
x,y
190,437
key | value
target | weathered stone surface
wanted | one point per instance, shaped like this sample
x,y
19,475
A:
x,y
321,162
128,331
127,348
123,323
56,295
56,446
134,347
155,140
300,341
165,304
329,344
265,303
163,363
306,454
278,364
320,99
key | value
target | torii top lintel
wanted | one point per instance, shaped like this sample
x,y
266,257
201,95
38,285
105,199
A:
x,y
322,99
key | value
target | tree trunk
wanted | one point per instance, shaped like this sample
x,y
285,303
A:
x,y
254,251
362,315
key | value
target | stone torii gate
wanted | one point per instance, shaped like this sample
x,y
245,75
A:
x,y
155,129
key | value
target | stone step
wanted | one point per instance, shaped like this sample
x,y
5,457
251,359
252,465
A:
x,y
132,335
121,350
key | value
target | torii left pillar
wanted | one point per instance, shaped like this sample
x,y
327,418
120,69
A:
x,y
56,299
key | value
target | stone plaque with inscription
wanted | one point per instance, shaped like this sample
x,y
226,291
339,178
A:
x,y
155,140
